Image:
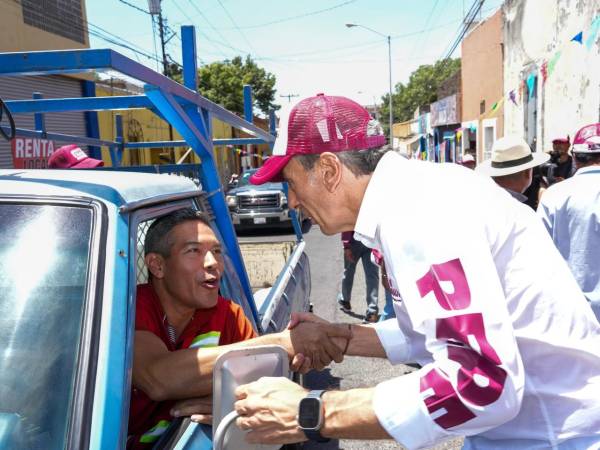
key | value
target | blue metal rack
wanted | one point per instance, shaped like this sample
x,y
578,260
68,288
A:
x,y
180,105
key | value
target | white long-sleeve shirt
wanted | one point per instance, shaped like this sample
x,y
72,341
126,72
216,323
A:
x,y
509,347
570,210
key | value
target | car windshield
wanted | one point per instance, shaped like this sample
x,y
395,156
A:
x,y
245,178
44,253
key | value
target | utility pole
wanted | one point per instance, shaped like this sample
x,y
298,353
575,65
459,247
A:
x,y
161,30
289,97
154,7
388,38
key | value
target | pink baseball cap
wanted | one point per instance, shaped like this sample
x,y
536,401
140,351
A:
x,y
316,125
72,157
562,140
587,139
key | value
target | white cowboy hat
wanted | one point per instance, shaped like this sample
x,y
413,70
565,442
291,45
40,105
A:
x,y
511,154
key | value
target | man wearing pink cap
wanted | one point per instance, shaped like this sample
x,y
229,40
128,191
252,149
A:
x,y
72,157
571,213
506,361
560,156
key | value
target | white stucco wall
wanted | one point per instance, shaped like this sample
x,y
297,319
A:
x,y
534,30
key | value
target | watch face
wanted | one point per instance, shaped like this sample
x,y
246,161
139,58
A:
x,y
309,413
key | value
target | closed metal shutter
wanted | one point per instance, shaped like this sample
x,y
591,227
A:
x,y
22,88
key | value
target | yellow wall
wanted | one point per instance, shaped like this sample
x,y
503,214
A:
x,y
144,125
16,36
401,129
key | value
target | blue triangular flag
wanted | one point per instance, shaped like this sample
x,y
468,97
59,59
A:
x,y
578,37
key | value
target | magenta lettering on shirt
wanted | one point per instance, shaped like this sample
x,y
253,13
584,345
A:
x,y
442,396
453,272
480,380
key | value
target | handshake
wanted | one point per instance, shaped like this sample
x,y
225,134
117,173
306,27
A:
x,y
312,342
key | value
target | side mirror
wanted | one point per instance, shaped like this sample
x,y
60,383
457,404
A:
x,y
233,369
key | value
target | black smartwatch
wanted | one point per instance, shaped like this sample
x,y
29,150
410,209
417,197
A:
x,y
310,416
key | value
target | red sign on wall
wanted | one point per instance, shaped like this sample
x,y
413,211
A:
x,y
31,153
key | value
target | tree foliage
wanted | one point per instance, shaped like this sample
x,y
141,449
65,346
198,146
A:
x,y
223,82
420,90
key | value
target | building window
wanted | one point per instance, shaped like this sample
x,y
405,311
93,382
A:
x,y
482,107
61,17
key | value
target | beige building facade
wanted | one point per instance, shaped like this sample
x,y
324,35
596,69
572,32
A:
x,y
483,87
31,25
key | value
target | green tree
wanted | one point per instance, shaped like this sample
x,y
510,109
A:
x,y
420,90
223,83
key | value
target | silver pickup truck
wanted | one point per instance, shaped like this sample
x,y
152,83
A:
x,y
253,206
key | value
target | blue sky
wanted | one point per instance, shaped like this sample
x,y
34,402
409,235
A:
x,y
309,50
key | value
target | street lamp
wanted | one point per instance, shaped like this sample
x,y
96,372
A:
x,y
389,42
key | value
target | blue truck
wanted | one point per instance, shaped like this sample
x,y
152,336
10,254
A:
x,y
71,257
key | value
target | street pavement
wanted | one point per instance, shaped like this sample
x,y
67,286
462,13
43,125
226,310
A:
x,y
326,261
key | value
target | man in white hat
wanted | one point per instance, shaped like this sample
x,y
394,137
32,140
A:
x,y
511,165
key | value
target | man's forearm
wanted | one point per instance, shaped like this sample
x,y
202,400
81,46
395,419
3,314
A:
x,y
188,373
364,342
350,415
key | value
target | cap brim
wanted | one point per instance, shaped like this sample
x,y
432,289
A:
x,y
486,166
271,170
584,149
88,163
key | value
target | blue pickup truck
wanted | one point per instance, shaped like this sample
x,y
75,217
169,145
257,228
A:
x,y
71,257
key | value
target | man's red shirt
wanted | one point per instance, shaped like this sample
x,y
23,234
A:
x,y
223,324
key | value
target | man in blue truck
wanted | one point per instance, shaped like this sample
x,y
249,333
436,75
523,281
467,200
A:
x,y
183,325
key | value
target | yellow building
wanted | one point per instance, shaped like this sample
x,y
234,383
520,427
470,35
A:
x,y
143,125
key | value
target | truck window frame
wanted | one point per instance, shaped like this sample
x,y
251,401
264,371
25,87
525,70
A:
x,y
81,407
138,217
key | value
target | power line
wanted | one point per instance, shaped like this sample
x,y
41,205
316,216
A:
x,y
359,46
424,40
199,30
135,7
210,24
289,96
96,31
237,27
469,19
299,16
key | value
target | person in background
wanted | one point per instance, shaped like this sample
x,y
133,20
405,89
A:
x,y
468,161
560,156
571,213
511,165
388,309
72,157
353,252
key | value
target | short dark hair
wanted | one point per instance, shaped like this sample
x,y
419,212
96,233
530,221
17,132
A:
x,y
159,239
359,162
587,158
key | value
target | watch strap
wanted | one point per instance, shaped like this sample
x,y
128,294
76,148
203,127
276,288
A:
x,y
315,435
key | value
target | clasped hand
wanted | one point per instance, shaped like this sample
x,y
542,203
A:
x,y
314,342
